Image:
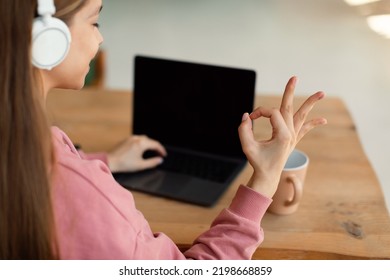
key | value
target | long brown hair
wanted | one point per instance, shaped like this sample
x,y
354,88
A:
x,y
27,229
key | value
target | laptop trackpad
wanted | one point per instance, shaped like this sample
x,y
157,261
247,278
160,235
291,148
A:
x,y
157,181
173,185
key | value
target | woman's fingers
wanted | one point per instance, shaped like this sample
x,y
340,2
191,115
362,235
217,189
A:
x,y
302,113
261,112
245,133
287,104
296,123
306,127
150,163
151,144
280,130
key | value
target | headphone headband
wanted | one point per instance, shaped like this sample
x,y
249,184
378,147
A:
x,y
46,7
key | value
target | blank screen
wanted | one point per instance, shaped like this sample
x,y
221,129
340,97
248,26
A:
x,y
191,105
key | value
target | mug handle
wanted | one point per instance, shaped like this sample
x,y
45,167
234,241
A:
x,y
297,185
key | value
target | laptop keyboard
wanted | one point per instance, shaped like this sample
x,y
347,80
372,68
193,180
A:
x,y
198,166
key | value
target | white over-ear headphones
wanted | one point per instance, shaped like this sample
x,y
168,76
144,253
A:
x,y
50,37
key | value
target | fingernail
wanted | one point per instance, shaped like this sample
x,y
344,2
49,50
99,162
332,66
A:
x,y
295,79
245,117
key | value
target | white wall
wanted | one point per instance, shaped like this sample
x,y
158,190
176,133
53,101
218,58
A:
x,y
324,42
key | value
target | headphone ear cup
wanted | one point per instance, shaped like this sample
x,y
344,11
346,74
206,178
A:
x,y
51,42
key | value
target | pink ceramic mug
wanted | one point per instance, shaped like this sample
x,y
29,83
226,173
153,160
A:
x,y
288,195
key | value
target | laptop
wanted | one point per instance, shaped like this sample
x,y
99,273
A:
x,y
194,110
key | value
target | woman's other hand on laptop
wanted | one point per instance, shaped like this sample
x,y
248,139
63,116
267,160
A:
x,y
128,156
268,157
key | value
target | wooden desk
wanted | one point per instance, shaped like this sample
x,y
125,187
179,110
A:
x,y
342,214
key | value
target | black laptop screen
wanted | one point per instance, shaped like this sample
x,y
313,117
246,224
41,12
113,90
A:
x,y
190,105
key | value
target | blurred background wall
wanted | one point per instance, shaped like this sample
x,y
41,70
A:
x,y
326,43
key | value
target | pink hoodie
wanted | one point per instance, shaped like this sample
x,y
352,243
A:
x,y
96,218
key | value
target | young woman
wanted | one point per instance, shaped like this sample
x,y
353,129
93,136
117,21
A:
x,y
56,203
